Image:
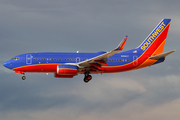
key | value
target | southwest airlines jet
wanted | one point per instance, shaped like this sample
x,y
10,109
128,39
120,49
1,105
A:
x,y
68,65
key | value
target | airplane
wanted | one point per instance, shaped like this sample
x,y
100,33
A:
x,y
68,65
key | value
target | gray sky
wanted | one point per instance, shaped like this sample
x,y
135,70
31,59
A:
x,y
88,26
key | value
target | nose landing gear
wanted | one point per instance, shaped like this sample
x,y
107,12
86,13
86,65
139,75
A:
x,y
23,77
21,72
87,77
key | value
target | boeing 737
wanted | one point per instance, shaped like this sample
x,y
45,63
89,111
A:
x,y
68,65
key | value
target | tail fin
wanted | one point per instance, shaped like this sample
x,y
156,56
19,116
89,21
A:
x,y
155,42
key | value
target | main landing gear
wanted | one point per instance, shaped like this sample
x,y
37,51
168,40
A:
x,y
87,77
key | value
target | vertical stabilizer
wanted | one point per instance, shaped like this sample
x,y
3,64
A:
x,y
155,41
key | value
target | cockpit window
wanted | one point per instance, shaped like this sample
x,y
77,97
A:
x,y
15,58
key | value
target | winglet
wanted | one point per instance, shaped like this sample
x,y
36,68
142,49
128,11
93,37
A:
x,y
122,44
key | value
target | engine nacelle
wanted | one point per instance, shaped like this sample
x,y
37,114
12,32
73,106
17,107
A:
x,y
67,70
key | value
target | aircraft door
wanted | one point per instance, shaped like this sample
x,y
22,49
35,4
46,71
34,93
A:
x,y
28,59
135,60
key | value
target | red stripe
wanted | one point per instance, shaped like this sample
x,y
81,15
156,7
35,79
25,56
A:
x,y
38,68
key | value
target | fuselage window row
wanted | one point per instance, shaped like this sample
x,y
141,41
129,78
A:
x,y
119,60
47,59
77,59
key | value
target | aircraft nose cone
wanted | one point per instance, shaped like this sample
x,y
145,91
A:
x,y
6,64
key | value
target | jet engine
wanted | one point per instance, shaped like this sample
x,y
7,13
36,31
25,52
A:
x,y
66,71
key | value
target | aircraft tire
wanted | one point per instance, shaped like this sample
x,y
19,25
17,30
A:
x,y
87,78
23,77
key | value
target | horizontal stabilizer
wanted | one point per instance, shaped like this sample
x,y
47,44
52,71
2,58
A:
x,y
156,57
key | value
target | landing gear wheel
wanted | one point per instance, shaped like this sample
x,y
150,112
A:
x,y
23,77
87,78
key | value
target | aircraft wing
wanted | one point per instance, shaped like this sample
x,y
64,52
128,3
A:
x,y
102,59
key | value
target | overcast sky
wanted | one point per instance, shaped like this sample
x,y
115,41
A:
x,y
151,93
